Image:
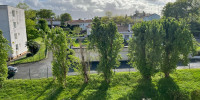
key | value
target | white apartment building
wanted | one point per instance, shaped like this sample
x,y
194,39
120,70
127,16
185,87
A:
x,y
12,24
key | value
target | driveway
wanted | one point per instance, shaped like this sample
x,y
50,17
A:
x,y
37,69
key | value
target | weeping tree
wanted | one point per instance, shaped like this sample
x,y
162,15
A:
x,y
3,60
63,57
145,48
178,43
107,42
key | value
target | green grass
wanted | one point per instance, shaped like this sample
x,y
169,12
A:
x,y
84,43
37,57
123,86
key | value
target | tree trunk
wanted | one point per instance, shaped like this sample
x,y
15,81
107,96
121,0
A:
x,y
167,74
147,77
84,65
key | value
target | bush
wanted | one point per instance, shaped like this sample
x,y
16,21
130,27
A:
x,y
29,54
33,46
195,95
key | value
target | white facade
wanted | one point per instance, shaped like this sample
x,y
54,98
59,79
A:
x,y
126,35
89,30
84,25
14,30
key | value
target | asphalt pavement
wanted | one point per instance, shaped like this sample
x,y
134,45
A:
x,y
42,69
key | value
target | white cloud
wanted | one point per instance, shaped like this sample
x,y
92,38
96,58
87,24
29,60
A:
x,y
97,10
91,8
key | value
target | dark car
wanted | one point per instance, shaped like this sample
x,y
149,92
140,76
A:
x,y
11,71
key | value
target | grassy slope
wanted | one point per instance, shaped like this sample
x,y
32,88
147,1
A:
x,y
124,86
38,56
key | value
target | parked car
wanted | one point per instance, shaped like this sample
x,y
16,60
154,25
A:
x,y
11,71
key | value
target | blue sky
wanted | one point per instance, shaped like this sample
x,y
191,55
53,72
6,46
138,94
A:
x,y
90,8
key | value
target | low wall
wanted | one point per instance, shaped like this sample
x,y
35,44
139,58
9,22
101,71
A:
x,y
92,55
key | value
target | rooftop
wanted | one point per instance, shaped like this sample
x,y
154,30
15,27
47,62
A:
x,y
74,22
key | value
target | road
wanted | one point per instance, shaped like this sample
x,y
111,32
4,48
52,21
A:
x,y
42,69
37,69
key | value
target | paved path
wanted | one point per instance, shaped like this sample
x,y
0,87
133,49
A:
x,y
37,69
40,69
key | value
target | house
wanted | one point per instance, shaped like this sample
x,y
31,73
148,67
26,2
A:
x,y
151,17
125,31
144,16
14,30
81,23
54,23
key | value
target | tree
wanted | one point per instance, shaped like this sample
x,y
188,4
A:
x,y
119,19
65,17
84,66
186,9
4,56
31,31
108,14
177,43
23,6
63,57
42,23
33,47
45,13
145,48
108,42
105,19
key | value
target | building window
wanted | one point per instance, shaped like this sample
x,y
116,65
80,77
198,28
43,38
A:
x,y
13,13
15,35
17,47
14,24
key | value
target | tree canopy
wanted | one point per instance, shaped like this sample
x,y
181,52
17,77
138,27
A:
x,y
63,57
65,17
145,47
108,42
45,13
160,45
4,56
185,9
177,43
42,23
23,6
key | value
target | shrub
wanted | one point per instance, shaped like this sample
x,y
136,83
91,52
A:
x,y
33,46
29,54
195,95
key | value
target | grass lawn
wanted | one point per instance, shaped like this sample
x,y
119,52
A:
x,y
37,57
76,43
124,86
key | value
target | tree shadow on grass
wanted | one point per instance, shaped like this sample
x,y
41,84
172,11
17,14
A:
x,y
169,90
46,88
74,97
100,94
145,89
54,93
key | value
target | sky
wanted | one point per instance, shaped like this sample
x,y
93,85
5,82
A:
x,y
86,9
